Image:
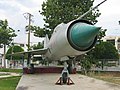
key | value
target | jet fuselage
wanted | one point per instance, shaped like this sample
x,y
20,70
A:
x,y
74,38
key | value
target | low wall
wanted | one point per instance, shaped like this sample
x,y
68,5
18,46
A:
x,y
45,70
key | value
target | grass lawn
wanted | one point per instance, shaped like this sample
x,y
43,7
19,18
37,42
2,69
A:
x,y
10,70
109,77
9,83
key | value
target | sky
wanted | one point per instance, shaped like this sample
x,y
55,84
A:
x,y
110,15
13,11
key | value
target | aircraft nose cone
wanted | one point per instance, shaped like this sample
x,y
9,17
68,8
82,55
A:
x,y
82,34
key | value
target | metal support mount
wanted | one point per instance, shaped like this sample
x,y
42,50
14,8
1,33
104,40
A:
x,y
64,79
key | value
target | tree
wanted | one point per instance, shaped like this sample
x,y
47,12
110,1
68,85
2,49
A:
x,y
14,49
15,58
85,65
103,52
101,34
6,35
58,11
38,46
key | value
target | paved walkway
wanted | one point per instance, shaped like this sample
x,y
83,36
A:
x,y
47,82
8,74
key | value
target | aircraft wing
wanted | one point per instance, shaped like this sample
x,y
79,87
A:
x,y
33,52
37,52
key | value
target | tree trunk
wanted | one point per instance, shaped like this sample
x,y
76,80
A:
x,y
4,56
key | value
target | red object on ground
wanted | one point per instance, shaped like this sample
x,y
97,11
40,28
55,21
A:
x,y
60,81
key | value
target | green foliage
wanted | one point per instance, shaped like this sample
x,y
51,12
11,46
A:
x,y
63,11
9,83
104,50
87,62
41,32
57,11
38,46
101,34
14,49
6,33
11,70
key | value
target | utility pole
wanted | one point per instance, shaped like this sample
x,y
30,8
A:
x,y
28,17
